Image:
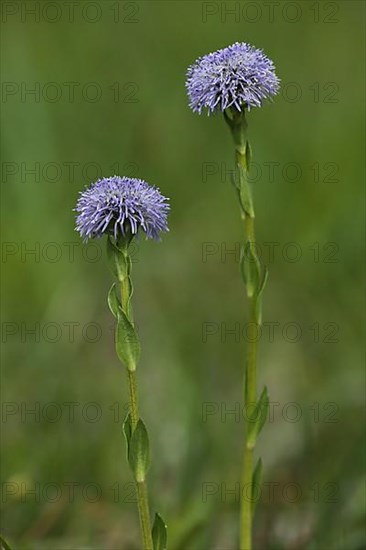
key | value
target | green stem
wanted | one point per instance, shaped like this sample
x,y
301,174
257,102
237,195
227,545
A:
x,y
247,472
246,508
132,386
143,506
238,125
250,400
141,487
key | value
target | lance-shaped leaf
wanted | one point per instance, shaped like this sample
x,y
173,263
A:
x,y
139,452
117,260
258,300
113,300
244,157
127,342
245,194
249,269
248,155
235,180
257,418
130,290
127,432
159,533
256,484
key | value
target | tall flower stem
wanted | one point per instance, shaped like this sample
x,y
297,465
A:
x,y
119,208
254,278
128,350
141,487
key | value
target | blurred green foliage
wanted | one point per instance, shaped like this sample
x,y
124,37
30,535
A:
x,y
314,134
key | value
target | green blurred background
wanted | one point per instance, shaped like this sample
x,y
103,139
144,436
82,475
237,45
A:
x,y
188,292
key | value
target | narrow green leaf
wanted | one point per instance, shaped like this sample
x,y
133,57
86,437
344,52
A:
x,y
159,533
249,269
248,155
256,484
260,415
139,452
258,302
127,342
3,544
245,194
235,181
113,300
244,269
117,260
130,287
258,418
263,280
127,432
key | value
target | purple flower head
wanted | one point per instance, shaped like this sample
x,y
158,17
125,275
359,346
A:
x,y
239,75
118,205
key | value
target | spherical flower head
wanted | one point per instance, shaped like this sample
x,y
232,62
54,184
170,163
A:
x,y
121,205
238,76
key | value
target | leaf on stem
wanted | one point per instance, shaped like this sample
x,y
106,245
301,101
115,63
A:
x,y
130,288
258,301
249,269
159,533
127,343
113,300
117,260
127,432
248,155
245,194
139,452
257,418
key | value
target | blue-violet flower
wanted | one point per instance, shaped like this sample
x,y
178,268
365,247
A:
x,y
239,76
121,205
